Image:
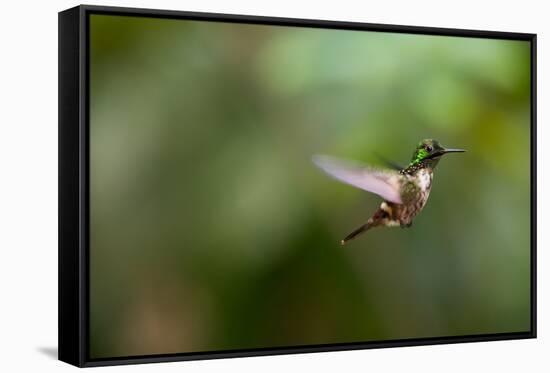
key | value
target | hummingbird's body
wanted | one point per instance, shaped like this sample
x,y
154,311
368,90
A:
x,y
405,192
415,191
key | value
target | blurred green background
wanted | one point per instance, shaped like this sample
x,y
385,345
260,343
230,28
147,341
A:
x,y
211,229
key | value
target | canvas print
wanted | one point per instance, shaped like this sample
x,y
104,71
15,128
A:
x,y
259,186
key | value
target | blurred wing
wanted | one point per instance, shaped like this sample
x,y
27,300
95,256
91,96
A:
x,y
384,183
389,163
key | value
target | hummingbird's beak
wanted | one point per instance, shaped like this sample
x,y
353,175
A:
x,y
445,151
453,151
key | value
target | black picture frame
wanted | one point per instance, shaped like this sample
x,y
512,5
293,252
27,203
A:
x,y
74,183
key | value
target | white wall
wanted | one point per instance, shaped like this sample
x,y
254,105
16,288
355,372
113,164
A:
x,y
28,184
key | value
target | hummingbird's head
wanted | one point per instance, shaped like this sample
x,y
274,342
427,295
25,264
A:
x,y
429,152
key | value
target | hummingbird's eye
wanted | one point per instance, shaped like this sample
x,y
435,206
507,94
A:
x,y
429,149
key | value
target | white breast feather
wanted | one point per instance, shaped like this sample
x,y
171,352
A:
x,y
425,179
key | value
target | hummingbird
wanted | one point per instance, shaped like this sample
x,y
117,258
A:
x,y
405,190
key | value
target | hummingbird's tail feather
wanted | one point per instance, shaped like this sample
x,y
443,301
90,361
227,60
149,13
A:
x,y
356,232
380,217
